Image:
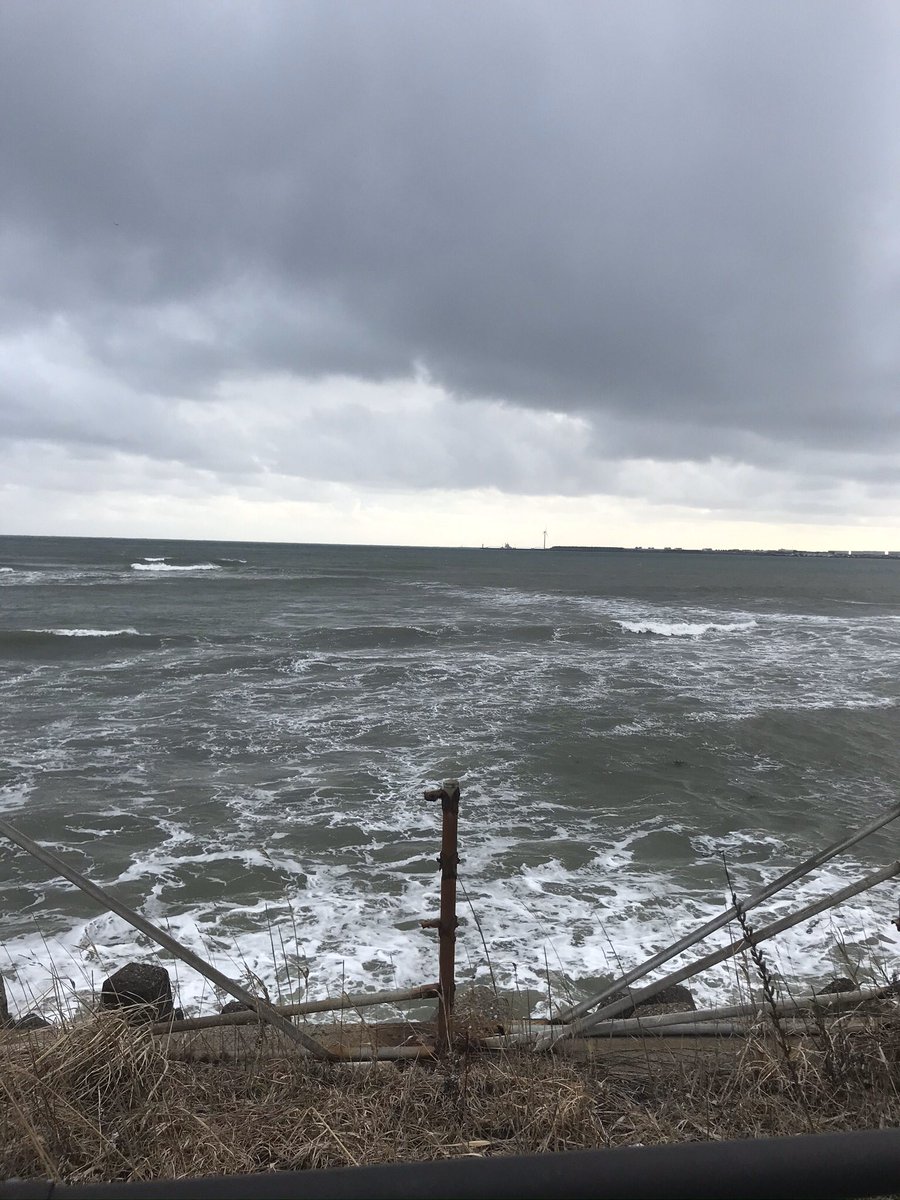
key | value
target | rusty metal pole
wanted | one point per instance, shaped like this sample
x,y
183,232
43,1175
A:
x,y
447,922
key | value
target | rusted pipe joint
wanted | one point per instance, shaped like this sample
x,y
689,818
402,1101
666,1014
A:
x,y
448,863
440,926
448,794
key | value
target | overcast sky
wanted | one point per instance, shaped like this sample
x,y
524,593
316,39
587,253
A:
x,y
444,272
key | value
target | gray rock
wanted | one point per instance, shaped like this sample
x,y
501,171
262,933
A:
x,y
31,1021
142,988
235,1006
839,984
677,994
675,998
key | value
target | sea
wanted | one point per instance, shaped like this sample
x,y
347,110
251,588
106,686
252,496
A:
x,y
235,739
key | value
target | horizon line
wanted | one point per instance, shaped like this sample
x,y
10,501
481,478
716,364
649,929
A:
x,y
782,551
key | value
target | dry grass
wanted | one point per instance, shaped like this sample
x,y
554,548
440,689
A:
x,y
102,1101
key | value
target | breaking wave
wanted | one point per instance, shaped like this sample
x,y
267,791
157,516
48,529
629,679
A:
x,y
157,564
88,633
685,629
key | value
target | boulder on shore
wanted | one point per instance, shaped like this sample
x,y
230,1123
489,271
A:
x,y
839,984
674,998
234,1006
31,1021
142,988
676,994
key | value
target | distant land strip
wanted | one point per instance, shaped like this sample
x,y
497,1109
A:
x,y
710,550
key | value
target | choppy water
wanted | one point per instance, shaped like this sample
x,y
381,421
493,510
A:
x,y
235,738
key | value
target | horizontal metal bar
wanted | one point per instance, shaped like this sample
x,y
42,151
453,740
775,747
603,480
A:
x,y
818,1167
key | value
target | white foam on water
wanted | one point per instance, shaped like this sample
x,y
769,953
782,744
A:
x,y
47,577
13,797
354,925
637,726
685,629
838,702
89,633
159,565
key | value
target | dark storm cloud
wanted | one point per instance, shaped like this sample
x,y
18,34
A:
x,y
666,218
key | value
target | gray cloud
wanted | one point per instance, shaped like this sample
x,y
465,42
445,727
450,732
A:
x,y
666,220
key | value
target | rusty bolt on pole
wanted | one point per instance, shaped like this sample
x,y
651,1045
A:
x,y
446,924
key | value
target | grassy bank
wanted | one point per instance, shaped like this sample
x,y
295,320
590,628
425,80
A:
x,y
102,1100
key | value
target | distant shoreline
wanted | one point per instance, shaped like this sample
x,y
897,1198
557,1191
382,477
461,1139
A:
x,y
162,540
893,554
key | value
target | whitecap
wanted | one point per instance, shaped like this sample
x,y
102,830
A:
x,y
160,565
685,628
836,702
130,631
